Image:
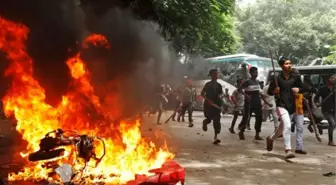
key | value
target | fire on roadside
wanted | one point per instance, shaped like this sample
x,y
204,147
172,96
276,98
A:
x,y
127,152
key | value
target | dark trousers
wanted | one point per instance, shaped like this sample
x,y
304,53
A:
x,y
248,110
159,108
187,107
214,115
330,117
178,103
235,117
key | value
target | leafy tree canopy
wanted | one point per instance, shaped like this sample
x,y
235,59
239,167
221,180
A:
x,y
331,58
300,28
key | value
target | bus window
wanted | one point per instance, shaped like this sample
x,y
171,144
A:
x,y
229,68
324,80
268,63
261,63
315,80
257,63
253,62
319,80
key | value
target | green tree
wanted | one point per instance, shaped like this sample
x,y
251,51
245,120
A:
x,y
196,27
299,28
331,59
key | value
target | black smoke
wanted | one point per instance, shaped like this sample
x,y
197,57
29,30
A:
x,y
136,61
52,38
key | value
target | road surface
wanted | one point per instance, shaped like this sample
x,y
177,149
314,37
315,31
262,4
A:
x,y
233,162
236,162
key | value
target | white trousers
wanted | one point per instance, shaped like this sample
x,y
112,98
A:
x,y
274,115
284,128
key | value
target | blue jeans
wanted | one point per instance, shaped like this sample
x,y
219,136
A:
x,y
299,119
330,117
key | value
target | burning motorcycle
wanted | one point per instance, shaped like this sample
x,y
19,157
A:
x,y
51,146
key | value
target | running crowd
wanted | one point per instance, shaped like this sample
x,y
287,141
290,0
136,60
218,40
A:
x,y
286,99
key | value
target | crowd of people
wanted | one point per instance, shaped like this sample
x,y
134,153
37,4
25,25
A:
x,y
285,100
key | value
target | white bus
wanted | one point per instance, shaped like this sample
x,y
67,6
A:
x,y
236,66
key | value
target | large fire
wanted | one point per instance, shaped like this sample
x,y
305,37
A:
x,y
127,153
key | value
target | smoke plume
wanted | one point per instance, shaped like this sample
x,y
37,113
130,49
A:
x,y
135,64
53,37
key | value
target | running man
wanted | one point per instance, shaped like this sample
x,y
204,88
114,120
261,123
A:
x,y
328,106
252,104
288,85
212,93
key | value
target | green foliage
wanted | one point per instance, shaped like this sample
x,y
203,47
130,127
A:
x,y
301,28
331,59
197,26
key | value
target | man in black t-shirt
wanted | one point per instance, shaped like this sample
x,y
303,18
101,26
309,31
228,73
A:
x,y
252,103
212,93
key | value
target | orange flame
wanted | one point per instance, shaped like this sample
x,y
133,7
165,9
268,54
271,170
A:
x,y
127,153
